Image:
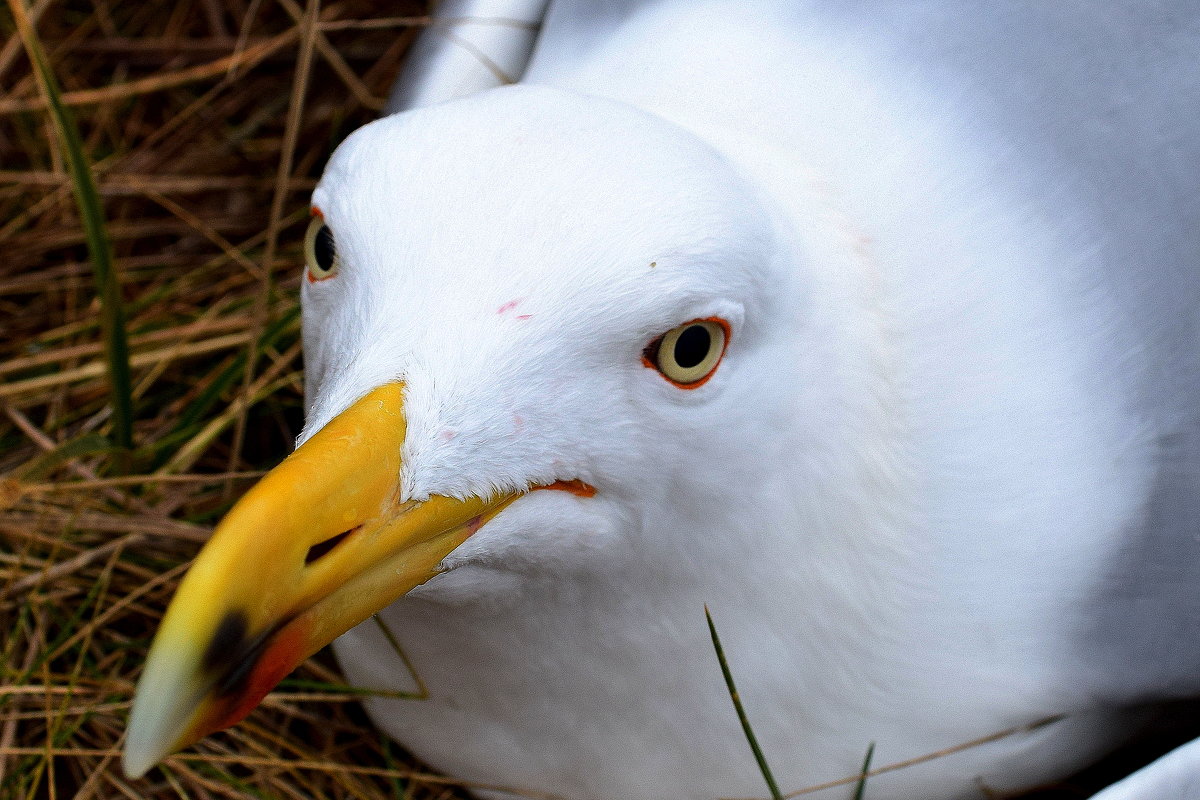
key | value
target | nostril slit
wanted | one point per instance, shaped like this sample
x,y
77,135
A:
x,y
321,549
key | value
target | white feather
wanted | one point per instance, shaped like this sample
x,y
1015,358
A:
x,y
927,443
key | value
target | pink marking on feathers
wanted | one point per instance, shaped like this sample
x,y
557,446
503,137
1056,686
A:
x,y
524,316
509,306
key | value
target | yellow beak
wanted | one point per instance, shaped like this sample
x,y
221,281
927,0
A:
x,y
317,546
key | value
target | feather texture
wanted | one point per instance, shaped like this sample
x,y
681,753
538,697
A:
x,y
944,481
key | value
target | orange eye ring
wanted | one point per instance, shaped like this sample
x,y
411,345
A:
x,y
689,354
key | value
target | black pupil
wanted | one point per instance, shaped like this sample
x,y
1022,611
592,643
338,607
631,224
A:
x,y
323,249
692,346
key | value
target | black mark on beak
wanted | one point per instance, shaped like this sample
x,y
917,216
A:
x,y
229,638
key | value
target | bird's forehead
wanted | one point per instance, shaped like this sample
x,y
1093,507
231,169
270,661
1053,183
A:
x,y
483,240
529,187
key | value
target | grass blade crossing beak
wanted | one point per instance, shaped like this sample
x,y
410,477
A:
x,y
317,546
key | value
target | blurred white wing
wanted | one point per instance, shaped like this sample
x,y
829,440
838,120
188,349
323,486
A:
x,y
1175,776
471,45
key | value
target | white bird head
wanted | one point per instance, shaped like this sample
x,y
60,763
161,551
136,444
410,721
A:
x,y
524,289
510,259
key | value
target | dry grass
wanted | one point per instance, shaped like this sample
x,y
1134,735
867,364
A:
x,y
207,122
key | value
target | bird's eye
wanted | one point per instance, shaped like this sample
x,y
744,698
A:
x,y
319,251
688,356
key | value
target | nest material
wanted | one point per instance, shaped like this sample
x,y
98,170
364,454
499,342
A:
x,y
207,123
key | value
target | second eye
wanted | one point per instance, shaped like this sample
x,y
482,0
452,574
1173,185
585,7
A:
x,y
320,251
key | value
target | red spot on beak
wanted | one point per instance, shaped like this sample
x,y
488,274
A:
x,y
283,654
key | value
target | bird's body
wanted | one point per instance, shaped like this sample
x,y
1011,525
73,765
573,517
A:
x,y
944,482
953,486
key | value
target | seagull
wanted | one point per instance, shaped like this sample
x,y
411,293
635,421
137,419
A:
x,y
874,327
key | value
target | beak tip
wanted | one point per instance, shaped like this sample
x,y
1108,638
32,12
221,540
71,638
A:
x,y
137,760
160,714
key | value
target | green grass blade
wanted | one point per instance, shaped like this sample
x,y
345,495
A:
x,y
91,213
861,786
422,692
741,712
89,444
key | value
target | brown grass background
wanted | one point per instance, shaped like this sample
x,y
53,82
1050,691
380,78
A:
x,y
207,123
